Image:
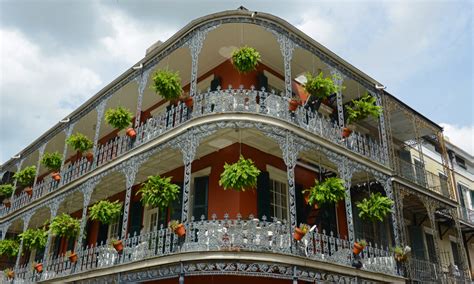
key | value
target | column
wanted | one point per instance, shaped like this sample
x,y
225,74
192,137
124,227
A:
x,y
382,129
100,108
287,46
68,131
431,209
386,182
346,169
338,79
130,171
461,248
5,227
18,168
38,164
86,189
26,221
53,208
142,81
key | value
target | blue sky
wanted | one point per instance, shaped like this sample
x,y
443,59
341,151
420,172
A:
x,y
54,55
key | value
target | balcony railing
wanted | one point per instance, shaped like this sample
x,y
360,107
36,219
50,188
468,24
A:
x,y
238,235
419,175
467,214
212,102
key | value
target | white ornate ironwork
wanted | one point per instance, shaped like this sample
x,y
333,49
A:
x,y
338,78
68,132
26,217
142,81
100,109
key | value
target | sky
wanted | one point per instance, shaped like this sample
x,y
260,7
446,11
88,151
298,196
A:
x,y
54,54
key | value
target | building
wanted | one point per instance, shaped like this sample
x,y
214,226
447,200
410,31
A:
x,y
239,236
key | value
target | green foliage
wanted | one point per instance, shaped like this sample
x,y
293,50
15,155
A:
x,y
245,59
6,190
26,176
80,142
9,247
375,208
65,226
362,108
168,84
34,238
105,211
319,86
239,176
304,228
330,190
362,243
52,161
119,117
158,192
173,224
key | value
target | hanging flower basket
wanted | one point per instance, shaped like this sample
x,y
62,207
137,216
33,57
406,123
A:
x,y
167,84
119,118
245,59
375,208
239,176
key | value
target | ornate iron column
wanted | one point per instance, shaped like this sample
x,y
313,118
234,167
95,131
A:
x,y
431,207
68,132
338,78
87,188
53,208
142,81
100,108
26,221
382,129
287,46
464,262
18,168
386,182
40,156
130,170
346,169
4,229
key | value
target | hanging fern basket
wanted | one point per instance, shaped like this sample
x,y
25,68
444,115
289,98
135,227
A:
x,y
239,176
375,208
245,59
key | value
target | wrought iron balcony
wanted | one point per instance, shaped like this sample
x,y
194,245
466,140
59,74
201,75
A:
x,y
210,103
428,272
419,175
253,235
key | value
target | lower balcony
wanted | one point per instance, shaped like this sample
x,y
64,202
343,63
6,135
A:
x,y
237,247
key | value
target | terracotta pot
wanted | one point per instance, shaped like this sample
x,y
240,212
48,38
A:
x,y
118,246
293,105
298,234
90,157
188,102
11,274
7,203
28,190
180,230
39,267
131,133
56,176
356,249
73,257
346,132
400,258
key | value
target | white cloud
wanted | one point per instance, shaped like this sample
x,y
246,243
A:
x,y
461,136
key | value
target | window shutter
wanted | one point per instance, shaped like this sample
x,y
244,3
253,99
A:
x,y
262,82
431,248
457,259
177,206
472,198
201,185
417,245
263,195
136,209
461,196
301,207
103,233
216,82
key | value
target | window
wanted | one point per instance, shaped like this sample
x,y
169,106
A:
x,y
460,161
114,229
443,184
279,199
420,172
461,192
152,222
431,247
456,258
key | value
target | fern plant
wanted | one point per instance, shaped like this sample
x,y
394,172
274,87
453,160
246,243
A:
x,y
331,190
240,175
9,247
321,87
158,192
34,238
362,108
105,211
52,161
65,226
167,84
26,176
119,117
375,208
6,190
245,59
80,142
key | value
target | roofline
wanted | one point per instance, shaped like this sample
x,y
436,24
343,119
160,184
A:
x,y
179,35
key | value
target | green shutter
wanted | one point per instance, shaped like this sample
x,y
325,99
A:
x,y
302,209
103,233
263,195
417,245
177,206
201,185
136,211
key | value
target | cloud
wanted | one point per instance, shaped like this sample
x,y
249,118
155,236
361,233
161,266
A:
x,y
461,136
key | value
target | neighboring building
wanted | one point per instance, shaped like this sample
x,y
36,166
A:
x,y
241,236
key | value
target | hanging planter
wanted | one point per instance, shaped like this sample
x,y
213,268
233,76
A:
x,y
120,118
158,192
53,162
65,226
9,247
105,211
321,87
359,246
26,177
401,254
167,84
245,59
177,227
375,208
239,176
331,190
34,238
6,190
361,109
300,232
79,142
118,245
